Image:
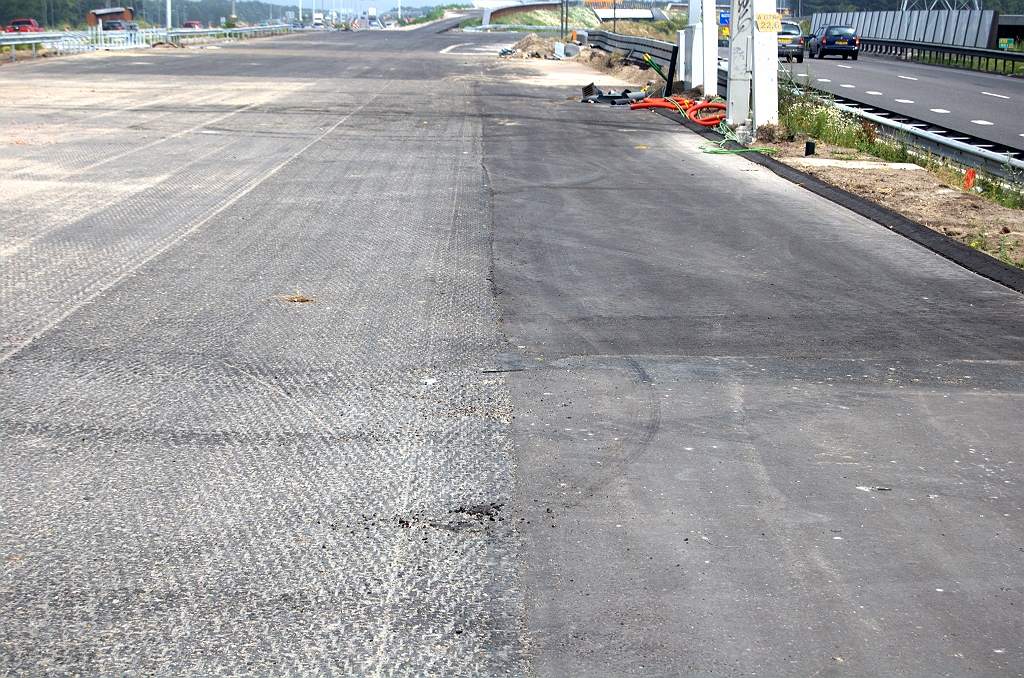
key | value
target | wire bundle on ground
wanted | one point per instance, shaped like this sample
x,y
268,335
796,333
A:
x,y
698,112
695,111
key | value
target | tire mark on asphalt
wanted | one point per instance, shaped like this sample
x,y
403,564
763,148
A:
x,y
635,443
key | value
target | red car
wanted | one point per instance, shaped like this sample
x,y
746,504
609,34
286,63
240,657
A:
x,y
23,26
193,24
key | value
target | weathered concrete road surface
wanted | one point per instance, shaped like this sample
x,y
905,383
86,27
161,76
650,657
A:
x,y
573,397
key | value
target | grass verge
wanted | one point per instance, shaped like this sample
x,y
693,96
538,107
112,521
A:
x,y
437,13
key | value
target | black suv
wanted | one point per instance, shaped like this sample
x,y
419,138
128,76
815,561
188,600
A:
x,y
841,40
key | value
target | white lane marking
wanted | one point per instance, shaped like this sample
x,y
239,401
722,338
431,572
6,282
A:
x,y
982,122
847,86
906,77
990,94
874,93
449,48
802,75
1022,135
824,80
939,110
842,66
904,101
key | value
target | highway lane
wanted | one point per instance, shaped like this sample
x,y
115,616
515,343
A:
x,y
984,105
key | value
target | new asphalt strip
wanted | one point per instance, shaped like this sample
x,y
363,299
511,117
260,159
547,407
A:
x,y
568,397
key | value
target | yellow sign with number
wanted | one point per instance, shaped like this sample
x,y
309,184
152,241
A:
x,y
769,22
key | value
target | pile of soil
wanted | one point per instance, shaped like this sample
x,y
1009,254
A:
x,y
534,47
613,65
917,194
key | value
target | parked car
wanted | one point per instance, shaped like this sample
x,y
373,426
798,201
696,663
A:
x,y
840,40
193,24
115,25
23,26
791,42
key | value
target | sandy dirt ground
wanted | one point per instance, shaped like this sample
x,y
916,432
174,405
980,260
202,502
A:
x,y
535,50
50,177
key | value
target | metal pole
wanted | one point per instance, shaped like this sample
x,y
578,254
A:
x,y
168,17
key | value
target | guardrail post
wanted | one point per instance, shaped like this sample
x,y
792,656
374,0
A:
x,y
709,39
693,57
680,73
692,50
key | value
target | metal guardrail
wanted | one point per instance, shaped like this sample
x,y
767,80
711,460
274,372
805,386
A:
x,y
938,141
994,158
193,36
72,42
29,38
962,148
504,27
1001,161
660,51
993,60
33,39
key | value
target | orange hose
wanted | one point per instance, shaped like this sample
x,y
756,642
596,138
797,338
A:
x,y
658,102
709,121
655,104
692,109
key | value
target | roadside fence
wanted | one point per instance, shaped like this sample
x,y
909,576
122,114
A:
x,y
74,42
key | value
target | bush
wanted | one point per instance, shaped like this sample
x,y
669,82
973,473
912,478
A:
x,y
436,13
659,30
821,119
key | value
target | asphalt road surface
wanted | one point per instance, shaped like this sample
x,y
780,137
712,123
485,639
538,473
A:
x,y
570,397
985,105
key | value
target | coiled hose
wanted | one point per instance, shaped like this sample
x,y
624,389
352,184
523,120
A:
x,y
692,110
